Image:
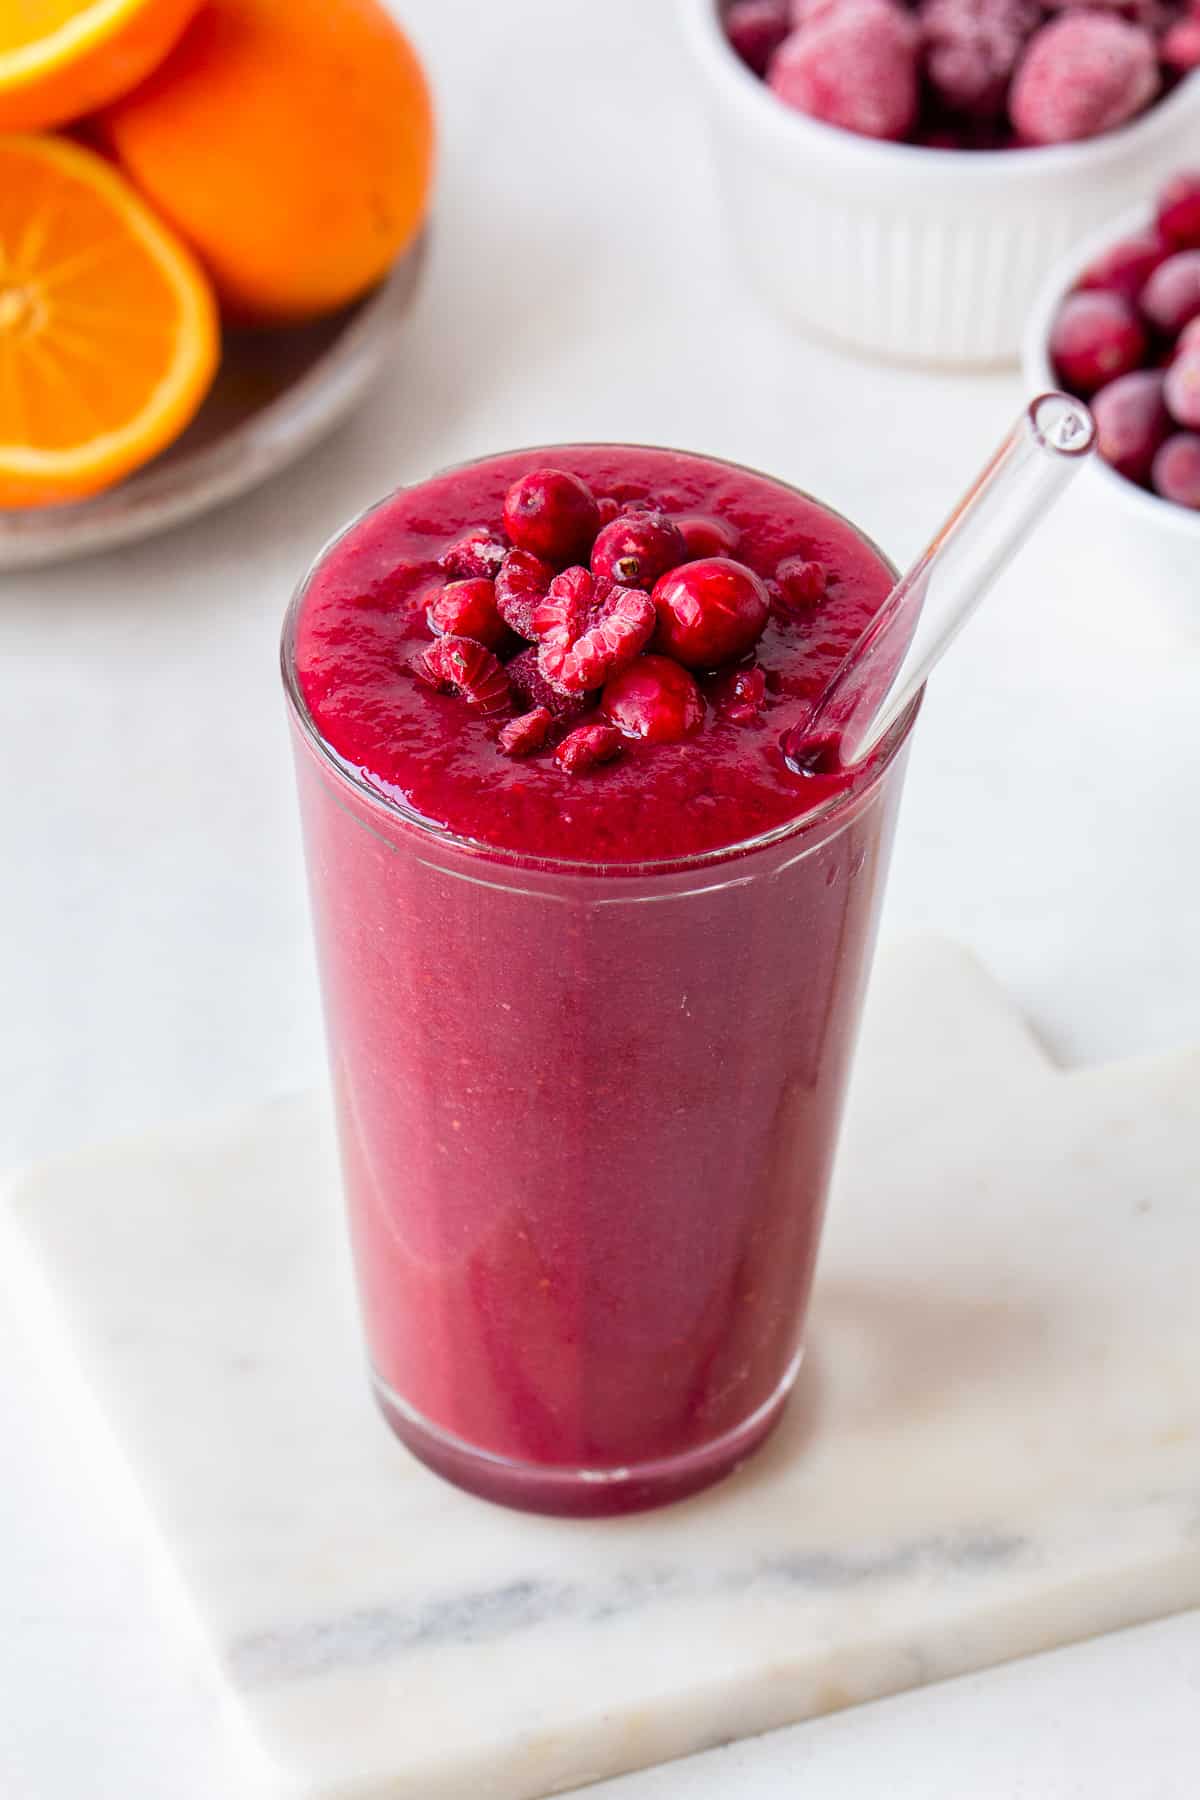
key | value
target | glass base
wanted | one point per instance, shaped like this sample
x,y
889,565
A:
x,y
574,1492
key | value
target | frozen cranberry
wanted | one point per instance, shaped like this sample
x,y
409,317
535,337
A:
x,y
587,746
477,554
705,536
1188,339
756,28
637,548
458,665
1179,208
1081,74
522,581
653,699
854,66
1096,337
607,509
1181,390
521,737
551,514
1176,471
1179,48
710,612
1171,297
742,695
1131,422
1126,266
532,690
590,628
801,582
468,609
972,48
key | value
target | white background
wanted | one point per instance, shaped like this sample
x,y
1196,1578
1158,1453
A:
x,y
153,938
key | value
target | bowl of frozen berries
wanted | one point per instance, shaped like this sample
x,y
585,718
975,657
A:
x,y
900,174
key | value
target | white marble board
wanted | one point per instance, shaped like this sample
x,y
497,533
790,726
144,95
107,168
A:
x,y
995,1446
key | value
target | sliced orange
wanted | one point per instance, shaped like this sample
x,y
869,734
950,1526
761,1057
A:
x,y
62,58
108,326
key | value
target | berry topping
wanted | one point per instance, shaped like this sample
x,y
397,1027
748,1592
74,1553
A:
x,y
588,746
1176,471
552,515
1180,47
521,583
1096,337
1132,421
588,629
653,699
1181,390
468,609
743,696
705,536
637,548
972,48
1179,204
478,553
458,665
1171,297
854,66
521,737
801,582
710,612
756,28
532,690
1083,73
1126,267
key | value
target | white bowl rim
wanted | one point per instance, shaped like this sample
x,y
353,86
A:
x,y
1039,373
787,126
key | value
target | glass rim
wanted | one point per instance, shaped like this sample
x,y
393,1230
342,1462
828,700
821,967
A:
x,y
846,799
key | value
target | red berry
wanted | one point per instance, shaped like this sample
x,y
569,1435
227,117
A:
x,y
743,695
1171,297
458,665
521,737
801,582
1181,390
637,548
854,66
468,609
1126,267
587,746
551,514
588,629
972,48
1179,205
607,509
1189,338
1180,49
1131,422
1096,337
710,612
756,28
653,699
532,690
521,583
1082,74
478,553
705,536
1176,471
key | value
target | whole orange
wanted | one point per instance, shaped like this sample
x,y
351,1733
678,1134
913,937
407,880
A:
x,y
291,143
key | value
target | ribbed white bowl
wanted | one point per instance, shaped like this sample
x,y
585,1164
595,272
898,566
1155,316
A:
x,y
927,255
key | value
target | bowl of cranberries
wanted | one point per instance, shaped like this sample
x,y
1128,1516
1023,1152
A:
x,y
899,174
1118,324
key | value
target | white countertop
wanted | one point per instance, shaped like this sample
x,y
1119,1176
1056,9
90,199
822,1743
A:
x,y
155,956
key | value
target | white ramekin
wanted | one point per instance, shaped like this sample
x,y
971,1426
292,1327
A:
x,y
927,255
1148,548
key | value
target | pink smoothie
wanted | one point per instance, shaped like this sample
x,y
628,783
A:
x,y
589,1030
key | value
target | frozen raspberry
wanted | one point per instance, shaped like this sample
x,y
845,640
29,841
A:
x,y
1096,337
587,746
468,609
458,665
1132,421
710,612
1126,266
1179,205
742,696
1171,297
756,28
972,48
705,536
551,514
653,699
521,737
637,548
1176,471
477,554
532,690
1179,48
1082,74
801,583
587,636
1181,390
521,583
855,66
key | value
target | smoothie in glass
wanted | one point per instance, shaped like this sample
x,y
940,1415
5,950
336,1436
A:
x,y
592,952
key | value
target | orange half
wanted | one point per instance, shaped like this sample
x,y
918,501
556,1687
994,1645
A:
x,y
108,326
62,58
